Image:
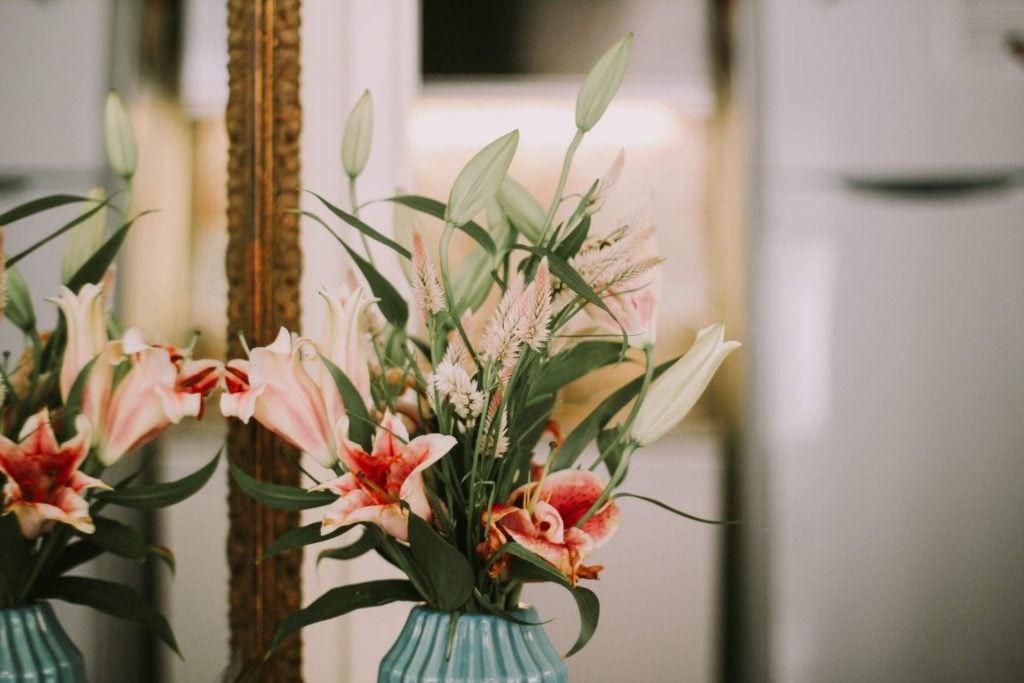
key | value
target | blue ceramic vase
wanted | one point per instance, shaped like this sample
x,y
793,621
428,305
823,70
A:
x,y
484,649
34,647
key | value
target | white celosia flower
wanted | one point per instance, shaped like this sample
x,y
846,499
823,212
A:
x,y
537,297
453,385
607,183
503,334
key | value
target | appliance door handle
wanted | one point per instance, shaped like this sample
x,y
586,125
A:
x,y
929,187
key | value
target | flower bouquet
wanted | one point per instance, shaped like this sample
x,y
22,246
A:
x,y
438,422
77,400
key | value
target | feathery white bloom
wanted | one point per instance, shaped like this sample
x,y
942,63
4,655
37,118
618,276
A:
x,y
426,287
607,182
453,384
503,334
538,298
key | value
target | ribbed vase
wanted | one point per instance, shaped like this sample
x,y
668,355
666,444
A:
x,y
34,647
484,649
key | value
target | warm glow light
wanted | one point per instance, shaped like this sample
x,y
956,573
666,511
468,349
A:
x,y
447,122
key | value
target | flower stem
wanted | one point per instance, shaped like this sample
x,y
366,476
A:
x,y
566,165
355,212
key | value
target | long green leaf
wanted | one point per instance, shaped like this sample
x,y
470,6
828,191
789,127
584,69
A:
x,y
14,558
111,598
434,208
153,496
39,205
95,268
359,423
586,601
117,538
278,496
577,362
339,601
364,228
57,233
676,511
300,537
391,303
369,540
446,569
73,555
588,430
19,309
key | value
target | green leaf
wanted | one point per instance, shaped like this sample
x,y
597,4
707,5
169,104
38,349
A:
x,y
446,570
391,303
525,212
577,362
339,601
279,496
358,136
601,84
39,205
437,209
676,511
114,599
19,309
84,240
364,228
74,400
359,423
300,537
536,568
57,233
95,268
369,540
117,538
574,240
587,430
479,180
13,559
151,496
164,554
73,555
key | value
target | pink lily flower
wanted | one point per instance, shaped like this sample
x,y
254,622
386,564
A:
x,y
44,485
274,386
377,482
345,342
161,388
542,518
86,331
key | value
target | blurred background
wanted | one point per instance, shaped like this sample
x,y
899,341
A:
x,y
839,179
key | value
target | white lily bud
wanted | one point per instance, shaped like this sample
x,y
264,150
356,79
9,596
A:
x,y
602,83
122,152
675,392
85,239
478,182
355,142
522,209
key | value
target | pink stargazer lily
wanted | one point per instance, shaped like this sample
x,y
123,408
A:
x,y
345,343
86,331
377,482
542,518
161,388
44,485
274,386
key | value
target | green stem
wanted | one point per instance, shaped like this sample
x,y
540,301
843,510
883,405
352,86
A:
x,y
355,212
51,547
557,200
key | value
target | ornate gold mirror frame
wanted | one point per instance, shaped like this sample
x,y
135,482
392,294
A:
x,y
263,264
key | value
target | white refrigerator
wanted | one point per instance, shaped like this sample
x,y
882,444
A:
x,y
884,451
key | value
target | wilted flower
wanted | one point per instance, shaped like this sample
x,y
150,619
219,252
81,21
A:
x,y
377,483
44,485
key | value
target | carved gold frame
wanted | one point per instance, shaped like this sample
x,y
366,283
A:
x,y
263,265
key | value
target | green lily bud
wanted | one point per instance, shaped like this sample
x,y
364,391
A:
x,y
122,152
85,239
355,142
472,282
676,391
525,212
479,181
19,308
602,83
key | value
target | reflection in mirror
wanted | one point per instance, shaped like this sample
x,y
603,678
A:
x,y
167,59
